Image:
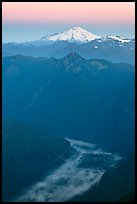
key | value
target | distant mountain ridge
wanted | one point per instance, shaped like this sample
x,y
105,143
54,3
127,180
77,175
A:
x,y
86,44
76,35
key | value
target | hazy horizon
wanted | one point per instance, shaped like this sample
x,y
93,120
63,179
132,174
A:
x,y
45,18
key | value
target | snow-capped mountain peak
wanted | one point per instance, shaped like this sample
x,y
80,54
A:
x,y
76,34
115,38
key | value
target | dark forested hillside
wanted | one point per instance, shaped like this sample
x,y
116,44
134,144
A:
x,y
117,185
104,48
92,99
88,100
28,155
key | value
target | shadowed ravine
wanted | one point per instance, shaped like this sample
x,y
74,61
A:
x,y
80,172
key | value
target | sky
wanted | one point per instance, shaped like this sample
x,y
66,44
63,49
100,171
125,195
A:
x,y
25,21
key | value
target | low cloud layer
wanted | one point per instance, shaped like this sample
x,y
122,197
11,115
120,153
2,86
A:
x,y
79,173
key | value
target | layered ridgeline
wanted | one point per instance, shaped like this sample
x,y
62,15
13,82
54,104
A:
x,y
91,102
74,97
88,45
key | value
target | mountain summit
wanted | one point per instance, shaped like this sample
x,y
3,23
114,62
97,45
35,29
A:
x,y
86,44
76,34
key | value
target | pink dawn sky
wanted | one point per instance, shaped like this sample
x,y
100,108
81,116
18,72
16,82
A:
x,y
22,21
97,12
